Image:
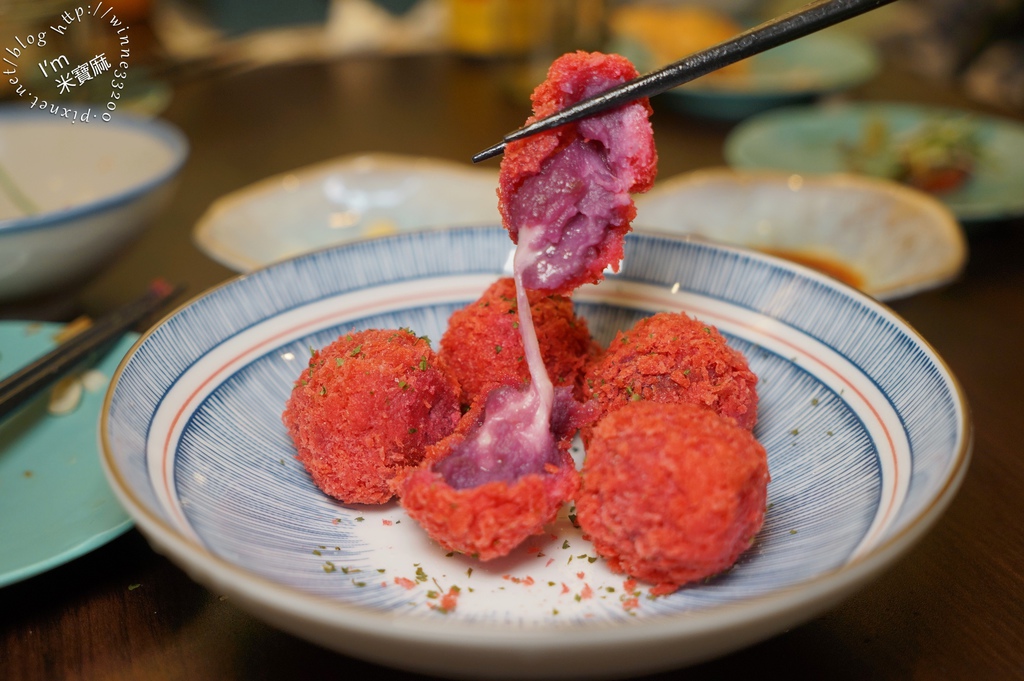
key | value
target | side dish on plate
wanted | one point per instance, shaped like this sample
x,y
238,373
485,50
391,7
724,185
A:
x,y
867,436
688,370
937,156
976,161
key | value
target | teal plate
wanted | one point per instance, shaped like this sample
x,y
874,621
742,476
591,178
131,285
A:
x,y
793,73
55,503
809,140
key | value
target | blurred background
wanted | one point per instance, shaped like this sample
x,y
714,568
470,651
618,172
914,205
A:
x,y
977,45
254,130
263,89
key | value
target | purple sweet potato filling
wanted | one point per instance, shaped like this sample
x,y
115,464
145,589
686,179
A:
x,y
573,200
511,448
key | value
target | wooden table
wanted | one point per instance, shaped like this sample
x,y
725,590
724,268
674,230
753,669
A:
x,y
952,608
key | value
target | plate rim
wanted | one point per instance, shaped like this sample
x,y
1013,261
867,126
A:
x,y
85,545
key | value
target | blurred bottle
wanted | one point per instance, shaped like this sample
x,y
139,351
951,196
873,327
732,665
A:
x,y
654,33
525,35
493,28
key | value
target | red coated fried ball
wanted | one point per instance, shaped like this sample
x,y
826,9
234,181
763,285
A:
x,y
496,481
569,188
483,347
671,493
490,520
366,408
672,357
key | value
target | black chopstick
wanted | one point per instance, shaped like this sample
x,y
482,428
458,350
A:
x,y
17,388
772,33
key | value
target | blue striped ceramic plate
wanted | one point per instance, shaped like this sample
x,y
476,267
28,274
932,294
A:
x,y
867,435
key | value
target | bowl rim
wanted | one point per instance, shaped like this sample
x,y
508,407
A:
x,y
293,610
163,131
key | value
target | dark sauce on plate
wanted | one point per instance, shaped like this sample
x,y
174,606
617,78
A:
x,y
825,264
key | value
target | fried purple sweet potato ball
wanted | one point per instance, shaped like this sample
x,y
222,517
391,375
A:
x,y
500,477
483,346
566,193
671,493
672,357
367,407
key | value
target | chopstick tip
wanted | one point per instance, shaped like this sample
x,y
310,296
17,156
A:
x,y
490,152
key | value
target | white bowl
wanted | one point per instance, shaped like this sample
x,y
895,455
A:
x,y
75,193
341,200
867,433
882,237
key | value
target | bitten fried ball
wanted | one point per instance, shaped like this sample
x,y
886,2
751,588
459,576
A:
x,y
671,493
569,188
489,520
483,347
496,481
672,357
367,407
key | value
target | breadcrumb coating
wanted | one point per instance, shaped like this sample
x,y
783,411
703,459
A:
x,y
483,346
485,502
672,357
367,407
574,183
671,493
